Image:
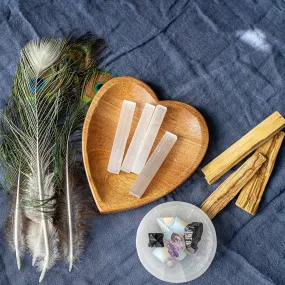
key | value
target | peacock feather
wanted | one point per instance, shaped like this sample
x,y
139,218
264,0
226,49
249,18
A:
x,y
41,135
95,80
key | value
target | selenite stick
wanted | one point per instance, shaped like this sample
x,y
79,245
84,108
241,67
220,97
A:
x,y
138,138
153,164
149,138
121,136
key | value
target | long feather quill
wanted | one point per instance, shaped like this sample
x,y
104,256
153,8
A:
x,y
16,225
75,212
70,211
17,222
11,170
37,88
75,205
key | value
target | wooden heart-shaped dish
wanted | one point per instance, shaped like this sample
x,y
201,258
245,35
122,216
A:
x,y
111,191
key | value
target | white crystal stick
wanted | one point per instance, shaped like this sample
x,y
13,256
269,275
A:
x,y
138,138
149,138
121,136
153,164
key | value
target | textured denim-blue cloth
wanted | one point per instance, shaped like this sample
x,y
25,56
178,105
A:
x,y
224,57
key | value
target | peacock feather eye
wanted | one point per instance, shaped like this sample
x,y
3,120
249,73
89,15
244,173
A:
x,y
97,79
97,86
36,84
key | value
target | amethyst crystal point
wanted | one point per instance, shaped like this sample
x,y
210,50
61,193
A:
x,y
192,235
178,241
172,249
155,240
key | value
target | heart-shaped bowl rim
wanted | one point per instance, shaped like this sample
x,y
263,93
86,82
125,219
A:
x,y
125,81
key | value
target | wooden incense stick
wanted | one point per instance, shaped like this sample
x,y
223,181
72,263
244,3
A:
x,y
232,185
239,150
252,192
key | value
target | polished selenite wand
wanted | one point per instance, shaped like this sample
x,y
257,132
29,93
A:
x,y
121,136
149,138
138,138
153,164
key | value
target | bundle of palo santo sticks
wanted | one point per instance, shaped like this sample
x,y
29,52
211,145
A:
x,y
251,178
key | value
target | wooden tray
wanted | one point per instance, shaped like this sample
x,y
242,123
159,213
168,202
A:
x,y
111,191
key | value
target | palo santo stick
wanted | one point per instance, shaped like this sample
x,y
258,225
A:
x,y
232,185
251,194
239,150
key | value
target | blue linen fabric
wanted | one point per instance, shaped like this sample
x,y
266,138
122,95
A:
x,y
224,57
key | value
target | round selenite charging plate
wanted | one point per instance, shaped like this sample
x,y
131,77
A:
x,y
193,265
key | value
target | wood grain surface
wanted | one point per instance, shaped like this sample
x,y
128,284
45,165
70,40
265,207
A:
x,y
243,147
251,194
110,191
232,185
